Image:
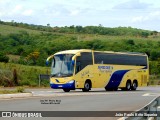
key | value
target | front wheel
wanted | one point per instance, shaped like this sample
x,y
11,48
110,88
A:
x,y
87,87
66,90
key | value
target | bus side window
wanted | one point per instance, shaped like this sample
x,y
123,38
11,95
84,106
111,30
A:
x,y
78,66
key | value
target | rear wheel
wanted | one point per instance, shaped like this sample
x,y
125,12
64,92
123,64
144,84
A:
x,y
87,87
128,85
66,90
134,85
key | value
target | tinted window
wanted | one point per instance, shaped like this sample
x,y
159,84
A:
x,y
120,59
83,60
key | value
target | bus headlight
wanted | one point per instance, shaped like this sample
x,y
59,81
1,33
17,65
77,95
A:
x,y
51,82
72,81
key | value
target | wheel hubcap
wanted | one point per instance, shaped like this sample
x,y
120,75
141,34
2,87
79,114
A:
x,y
134,85
128,86
87,86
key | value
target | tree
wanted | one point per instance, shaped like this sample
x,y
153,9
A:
x,y
20,51
33,56
4,58
79,29
155,55
48,25
130,42
145,34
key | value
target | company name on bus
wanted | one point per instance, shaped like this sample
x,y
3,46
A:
x,y
105,67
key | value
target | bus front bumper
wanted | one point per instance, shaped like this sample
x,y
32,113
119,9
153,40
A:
x,y
70,86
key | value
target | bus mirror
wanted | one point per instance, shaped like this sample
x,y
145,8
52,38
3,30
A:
x,y
72,62
47,63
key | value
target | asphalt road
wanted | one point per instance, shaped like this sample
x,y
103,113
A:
x,y
96,100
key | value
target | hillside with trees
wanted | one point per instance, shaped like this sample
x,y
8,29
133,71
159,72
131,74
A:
x,y
30,45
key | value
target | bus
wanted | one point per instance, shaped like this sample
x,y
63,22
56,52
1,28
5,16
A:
x,y
85,69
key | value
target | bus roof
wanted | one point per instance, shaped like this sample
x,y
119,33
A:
x,y
73,51
89,50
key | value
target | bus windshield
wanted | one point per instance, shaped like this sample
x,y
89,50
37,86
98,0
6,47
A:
x,y
62,65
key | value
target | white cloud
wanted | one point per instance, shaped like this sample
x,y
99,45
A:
x,y
133,4
1,14
27,12
155,14
139,19
17,8
109,13
151,16
74,12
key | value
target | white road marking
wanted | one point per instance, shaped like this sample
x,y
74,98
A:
x,y
151,94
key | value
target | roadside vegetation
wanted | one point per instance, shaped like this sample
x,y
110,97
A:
x,y
12,74
24,47
17,90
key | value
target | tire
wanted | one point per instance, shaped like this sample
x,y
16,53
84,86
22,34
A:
x,y
66,90
128,86
134,85
87,87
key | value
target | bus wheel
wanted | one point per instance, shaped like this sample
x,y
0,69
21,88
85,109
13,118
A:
x,y
87,87
66,90
128,85
134,85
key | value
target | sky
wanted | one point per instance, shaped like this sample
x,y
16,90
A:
x,y
143,14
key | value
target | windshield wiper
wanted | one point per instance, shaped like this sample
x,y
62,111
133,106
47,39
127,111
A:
x,y
53,75
66,75
61,75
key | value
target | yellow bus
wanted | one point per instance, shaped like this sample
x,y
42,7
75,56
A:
x,y
85,69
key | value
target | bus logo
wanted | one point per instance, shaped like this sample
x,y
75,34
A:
x,y
105,67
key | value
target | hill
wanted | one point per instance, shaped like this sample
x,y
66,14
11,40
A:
x,y
32,44
7,29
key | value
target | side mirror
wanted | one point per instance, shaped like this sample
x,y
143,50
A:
x,y
73,62
47,62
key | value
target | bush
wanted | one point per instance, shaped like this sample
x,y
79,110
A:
x,y
4,58
6,78
130,42
20,89
155,55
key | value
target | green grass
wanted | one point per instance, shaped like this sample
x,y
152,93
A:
x,y
154,82
6,29
7,91
14,58
90,37
18,90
